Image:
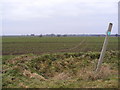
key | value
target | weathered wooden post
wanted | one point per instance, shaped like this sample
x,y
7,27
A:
x,y
104,48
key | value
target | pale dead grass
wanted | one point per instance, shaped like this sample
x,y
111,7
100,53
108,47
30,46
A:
x,y
62,76
21,59
104,73
33,75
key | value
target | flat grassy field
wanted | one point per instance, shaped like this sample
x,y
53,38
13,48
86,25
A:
x,y
58,62
40,45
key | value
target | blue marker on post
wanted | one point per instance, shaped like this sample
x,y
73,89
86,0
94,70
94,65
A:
x,y
109,33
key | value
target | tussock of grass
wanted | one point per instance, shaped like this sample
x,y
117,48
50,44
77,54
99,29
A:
x,y
67,70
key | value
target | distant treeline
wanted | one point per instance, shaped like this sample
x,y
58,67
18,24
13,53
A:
x,y
68,35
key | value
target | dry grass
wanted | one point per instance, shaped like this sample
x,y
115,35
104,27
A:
x,y
62,76
33,75
67,70
104,73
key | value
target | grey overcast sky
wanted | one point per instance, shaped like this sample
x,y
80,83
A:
x,y
21,17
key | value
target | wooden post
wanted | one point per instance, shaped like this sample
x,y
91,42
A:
x,y
104,48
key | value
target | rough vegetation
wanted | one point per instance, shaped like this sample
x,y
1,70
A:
x,y
61,70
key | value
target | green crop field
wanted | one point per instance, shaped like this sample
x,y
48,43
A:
x,y
39,45
58,62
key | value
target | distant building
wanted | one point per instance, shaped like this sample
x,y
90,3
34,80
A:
x,y
40,35
32,35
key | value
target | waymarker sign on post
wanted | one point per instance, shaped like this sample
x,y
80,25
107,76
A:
x,y
104,47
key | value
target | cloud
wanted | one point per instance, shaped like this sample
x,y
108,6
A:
x,y
30,9
58,16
